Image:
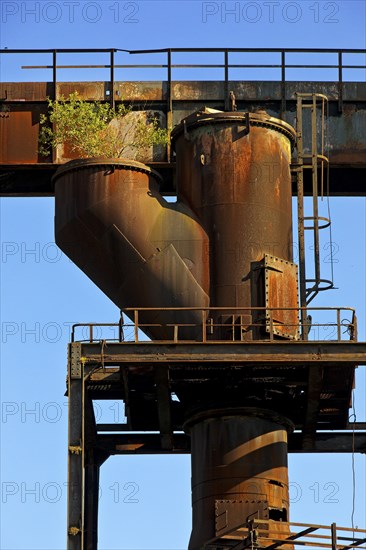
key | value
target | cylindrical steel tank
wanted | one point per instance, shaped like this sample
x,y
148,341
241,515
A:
x,y
233,171
239,472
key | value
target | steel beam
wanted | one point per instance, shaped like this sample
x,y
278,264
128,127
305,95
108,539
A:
x,y
242,354
34,180
149,443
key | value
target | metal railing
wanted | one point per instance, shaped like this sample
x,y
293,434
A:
x,y
257,533
226,65
212,328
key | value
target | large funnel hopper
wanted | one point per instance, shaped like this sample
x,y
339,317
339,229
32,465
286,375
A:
x,y
141,251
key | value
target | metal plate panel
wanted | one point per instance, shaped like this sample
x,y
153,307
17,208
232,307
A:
x,y
281,290
19,131
75,360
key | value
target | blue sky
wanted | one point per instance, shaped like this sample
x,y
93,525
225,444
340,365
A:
x,y
145,501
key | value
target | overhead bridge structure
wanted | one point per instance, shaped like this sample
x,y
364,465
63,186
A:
x,y
240,367
153,84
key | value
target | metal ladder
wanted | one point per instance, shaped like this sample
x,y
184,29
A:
x,y
318,163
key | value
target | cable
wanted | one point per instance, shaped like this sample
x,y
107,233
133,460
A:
x,y
353,415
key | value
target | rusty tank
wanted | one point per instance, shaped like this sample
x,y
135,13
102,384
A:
x,y
233,171
239,472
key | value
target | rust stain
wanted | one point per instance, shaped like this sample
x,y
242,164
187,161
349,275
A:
x,y
238,461
19,131
239,185
112,222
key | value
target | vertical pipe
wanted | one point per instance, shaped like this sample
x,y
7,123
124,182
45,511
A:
x,y
54,74
322,132
169,113
120,328
54,93
270,325
333,529
111,99
136,324
226,53
355,329
339,334
340,82
204,329
283,84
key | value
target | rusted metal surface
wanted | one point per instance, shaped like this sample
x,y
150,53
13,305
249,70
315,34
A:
x,y
202,91
222,244
19,130
337,328
276,374
233,171
149,443
233,180
249,353
346,134
238,459
281,290
24,91
113,223
95,91
239,456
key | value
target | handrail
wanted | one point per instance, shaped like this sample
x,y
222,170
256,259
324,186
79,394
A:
x,y
340,326
259,533
183,50
226,65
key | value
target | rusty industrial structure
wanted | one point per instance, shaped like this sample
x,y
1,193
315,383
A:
x,y
229,316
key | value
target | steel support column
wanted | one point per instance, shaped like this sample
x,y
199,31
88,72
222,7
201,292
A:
x,y
163,402
91,494
75,449
83,460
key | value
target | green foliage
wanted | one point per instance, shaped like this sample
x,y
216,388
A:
x,y
94,129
